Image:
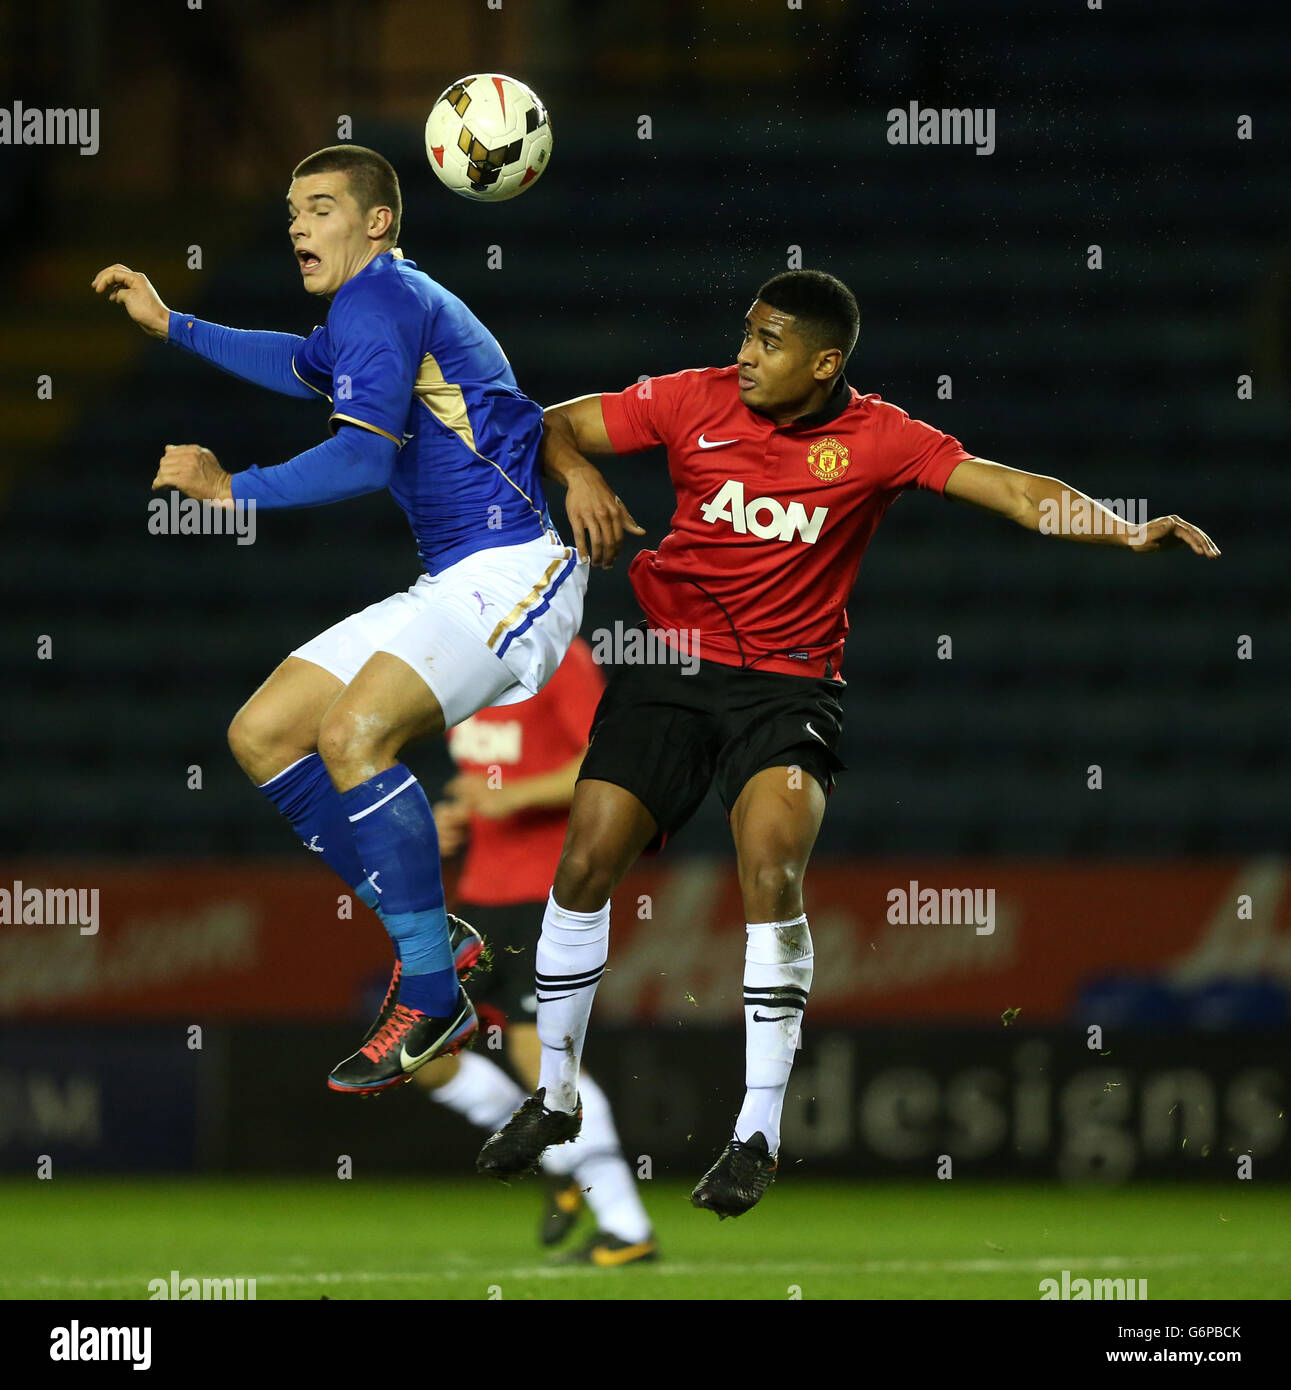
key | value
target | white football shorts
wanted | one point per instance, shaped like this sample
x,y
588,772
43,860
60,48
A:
x,y
489,630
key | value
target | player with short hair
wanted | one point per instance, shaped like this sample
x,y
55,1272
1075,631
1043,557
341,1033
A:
x,y
782,473
424,404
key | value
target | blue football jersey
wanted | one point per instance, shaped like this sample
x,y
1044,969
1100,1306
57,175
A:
x,y
402,356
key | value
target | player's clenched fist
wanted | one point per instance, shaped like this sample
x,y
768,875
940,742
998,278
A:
x,y
195,471
133,290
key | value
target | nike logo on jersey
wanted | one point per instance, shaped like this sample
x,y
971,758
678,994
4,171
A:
x,y
813,733
715,443
765,517
771,1018
316,847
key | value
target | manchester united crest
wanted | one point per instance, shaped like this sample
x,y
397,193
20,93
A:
x,y
828,460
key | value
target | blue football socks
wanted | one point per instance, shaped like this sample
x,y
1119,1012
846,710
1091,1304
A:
x,y
305,795
394,836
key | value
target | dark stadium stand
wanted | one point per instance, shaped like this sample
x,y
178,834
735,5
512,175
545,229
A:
x,y
640,257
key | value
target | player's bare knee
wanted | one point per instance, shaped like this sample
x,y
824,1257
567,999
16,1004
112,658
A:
x,y
583,882
348,749
240,741
772,890
334,741
259,747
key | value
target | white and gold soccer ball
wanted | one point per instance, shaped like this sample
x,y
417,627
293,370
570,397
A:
x,y
488,137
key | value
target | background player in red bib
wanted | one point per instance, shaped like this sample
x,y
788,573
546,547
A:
x,y
782,473
508,808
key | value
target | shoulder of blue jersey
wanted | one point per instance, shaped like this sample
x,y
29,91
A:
x,y
399,292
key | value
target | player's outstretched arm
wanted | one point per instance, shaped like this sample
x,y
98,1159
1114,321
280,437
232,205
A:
x,y
1053,508
262,358
134,292
571,431
355,462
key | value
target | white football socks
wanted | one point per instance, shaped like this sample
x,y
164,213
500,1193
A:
x,y
572,952
595,1160
483,1094
778,964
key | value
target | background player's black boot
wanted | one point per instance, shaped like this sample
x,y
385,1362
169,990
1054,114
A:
x,y
738,1179
519,1144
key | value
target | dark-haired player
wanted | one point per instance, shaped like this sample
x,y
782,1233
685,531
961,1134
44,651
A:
x,y
422,403
782,472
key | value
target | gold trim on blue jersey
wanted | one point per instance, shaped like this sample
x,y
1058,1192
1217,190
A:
x,y
350,420
449,408
303,382
444,399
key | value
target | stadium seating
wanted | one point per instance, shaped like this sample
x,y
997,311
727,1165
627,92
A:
x,y
1122,381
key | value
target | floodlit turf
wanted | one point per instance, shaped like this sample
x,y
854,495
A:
x,y
82,1238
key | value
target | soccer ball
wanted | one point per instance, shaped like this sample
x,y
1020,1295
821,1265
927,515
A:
x,y
488,137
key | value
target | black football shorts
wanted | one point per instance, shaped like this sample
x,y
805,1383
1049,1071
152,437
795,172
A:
x,y
667,736
510,932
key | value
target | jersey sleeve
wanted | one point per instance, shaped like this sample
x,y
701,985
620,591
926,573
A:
x,y
579,691
645,415
308,365
918,455
260,357
355,463
376,353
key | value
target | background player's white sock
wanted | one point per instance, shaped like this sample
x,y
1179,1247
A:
x,y
595,1160
485,1096
611,1191
572,951
481,1092
778,965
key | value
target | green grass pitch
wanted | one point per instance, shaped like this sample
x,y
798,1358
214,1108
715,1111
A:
x,y
74,1237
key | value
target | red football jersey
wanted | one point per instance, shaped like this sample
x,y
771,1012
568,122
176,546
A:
x,y
513,860
771,520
